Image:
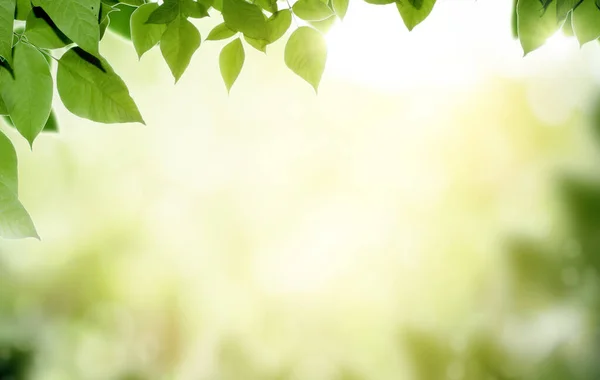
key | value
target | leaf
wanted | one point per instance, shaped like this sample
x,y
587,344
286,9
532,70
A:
x,y
311,10
178,44
23,9
52,123
27,94
3,109
231,61
586,22
89,88
15,222
8,164
145,36
41,31
7,14
120,21
267,5
246,18
135,3
306,54
380,2
260,45
278,24
563,7
220,32
77,19
413,13
165,13
340,7
193,9
535,24
324,25
567,28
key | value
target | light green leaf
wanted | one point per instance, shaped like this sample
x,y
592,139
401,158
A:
x,y
89,88
15,222
145,36
231,61
41,31
267,5
165,13
27,94
178,44
135,3
586,21
278,24
380,2
340,7
535,24
220,32
7,16
260,45
324,25
77,19
23,9
306,54
246,18
413,12
563,7
311,10
8,164
3,109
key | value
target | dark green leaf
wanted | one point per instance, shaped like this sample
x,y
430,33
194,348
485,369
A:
x,y
165,13
120,21
23,9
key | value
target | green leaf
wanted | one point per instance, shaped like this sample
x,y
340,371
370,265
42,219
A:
x,y
51,123
89,88
220,32
23,9
145,36
178,44
380,2
15,222
166,13
27,94
267,5
7,15
41,31
306,54
563,7
8,164
231,61
311,10
586,22
120,21
278,24
567,28
135,3
3,109
535,24
414,12
246,18
193,9
260,45
340,7
324,25
77,19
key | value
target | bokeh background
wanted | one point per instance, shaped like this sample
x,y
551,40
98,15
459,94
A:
x,y
434,213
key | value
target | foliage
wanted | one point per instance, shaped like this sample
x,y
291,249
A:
x,y
69,32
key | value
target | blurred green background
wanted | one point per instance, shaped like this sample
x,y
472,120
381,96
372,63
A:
x,y
434,213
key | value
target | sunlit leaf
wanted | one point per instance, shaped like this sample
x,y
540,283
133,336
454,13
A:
x,y
340,7
244,17
260,45
220,32
145,36
231,61
120,22
7,14
278,24
15,222
414,12
27,94
306,54
89,88
178,44
535,24
311,10
41,31
586,21
8,164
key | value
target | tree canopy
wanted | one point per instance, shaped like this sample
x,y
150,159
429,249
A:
x,y
36,34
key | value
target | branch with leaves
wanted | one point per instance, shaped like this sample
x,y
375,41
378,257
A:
x,y
35,34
